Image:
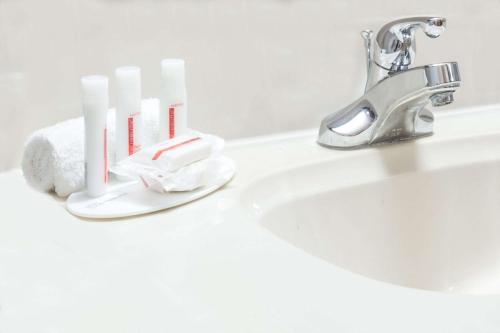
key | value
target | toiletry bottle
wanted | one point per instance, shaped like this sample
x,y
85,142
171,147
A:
x,y
95,108
128,111
173,104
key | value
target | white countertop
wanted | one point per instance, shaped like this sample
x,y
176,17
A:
x,y
208,266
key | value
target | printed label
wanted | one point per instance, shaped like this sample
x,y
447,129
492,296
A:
x,y
104,199
133,147
171,122
130,135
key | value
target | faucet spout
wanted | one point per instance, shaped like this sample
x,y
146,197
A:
x,y
393,107
403,115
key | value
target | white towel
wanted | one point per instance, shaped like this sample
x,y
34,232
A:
x,y
53,157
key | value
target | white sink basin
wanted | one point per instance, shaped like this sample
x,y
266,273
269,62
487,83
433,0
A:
x,y
422,214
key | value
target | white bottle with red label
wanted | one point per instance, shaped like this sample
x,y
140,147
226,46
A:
x,y
128,111
95,109
173,100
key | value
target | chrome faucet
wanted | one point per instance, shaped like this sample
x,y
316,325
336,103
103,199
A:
x,y
393,107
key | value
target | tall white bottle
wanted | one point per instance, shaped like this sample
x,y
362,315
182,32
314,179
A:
x,y
173,103
128,111
95,109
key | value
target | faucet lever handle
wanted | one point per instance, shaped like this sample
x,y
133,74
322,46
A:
x,y
395,42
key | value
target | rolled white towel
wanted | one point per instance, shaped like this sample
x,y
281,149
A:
x,y
53,156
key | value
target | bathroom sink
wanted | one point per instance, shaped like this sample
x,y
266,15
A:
x,y
422,214
298,241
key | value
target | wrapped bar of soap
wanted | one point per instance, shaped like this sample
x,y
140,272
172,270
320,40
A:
x,y
166,161
188,178
179,152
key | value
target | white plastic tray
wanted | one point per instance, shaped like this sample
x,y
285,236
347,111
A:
x,y
132,198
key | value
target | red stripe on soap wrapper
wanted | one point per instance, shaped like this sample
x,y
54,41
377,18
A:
x,y
161,151
144,182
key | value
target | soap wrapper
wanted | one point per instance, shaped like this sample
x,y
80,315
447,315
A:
x,y
184,163
188,178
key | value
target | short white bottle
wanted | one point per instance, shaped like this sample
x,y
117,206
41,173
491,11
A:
x,y
173,99
128,111
95,108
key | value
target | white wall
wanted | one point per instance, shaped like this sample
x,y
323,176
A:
x,y
253,66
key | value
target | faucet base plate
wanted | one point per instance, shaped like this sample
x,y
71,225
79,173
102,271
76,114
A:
x,y
376,144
